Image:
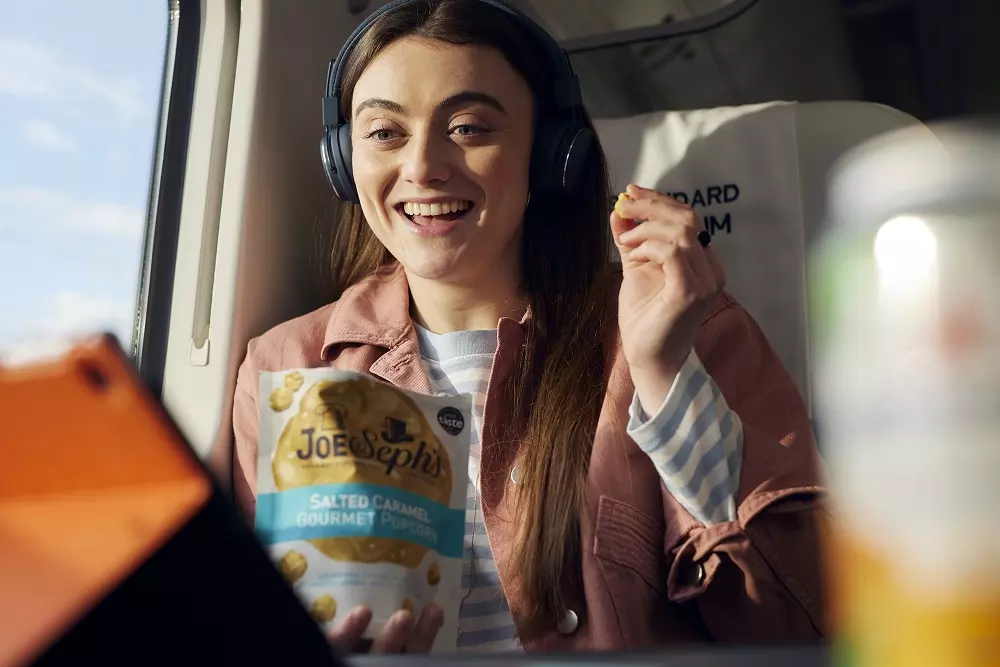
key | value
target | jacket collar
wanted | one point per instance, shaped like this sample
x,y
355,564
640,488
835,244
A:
x,y
376,311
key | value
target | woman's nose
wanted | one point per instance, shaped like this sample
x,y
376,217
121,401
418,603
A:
x,y
425,159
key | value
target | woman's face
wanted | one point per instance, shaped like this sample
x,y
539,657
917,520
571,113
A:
x,y
442,142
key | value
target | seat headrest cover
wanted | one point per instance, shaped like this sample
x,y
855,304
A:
x,y
738,168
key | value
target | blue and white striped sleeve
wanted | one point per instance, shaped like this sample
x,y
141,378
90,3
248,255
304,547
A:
x,y
696,443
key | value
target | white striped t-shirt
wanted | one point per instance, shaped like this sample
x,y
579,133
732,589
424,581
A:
x,y
694,439
459,363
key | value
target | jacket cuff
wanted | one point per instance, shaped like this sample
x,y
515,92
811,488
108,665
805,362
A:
x,y
695,562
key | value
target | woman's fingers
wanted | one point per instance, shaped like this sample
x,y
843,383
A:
x,y
638,192
347,633
394,634
425,631
399,633
662,209
671,261
677,265
679,227
665,220
661,252
673,231
620,226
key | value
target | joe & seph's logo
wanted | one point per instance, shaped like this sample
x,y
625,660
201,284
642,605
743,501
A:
x,y
337,442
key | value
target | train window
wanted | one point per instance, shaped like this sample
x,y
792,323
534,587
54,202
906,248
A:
x,y
80,101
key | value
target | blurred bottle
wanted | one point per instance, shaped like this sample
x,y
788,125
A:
x,y
905,300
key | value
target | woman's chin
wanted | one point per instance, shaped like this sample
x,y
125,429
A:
x,y
432,268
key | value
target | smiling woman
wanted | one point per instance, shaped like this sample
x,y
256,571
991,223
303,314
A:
x,y
643,470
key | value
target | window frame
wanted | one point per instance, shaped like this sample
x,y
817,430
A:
x,y
163,214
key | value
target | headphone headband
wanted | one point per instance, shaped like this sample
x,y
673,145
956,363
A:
x,y
565,89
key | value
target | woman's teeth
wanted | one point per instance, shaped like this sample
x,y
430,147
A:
x,y
437,208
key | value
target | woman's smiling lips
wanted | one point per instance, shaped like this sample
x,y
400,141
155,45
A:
x,y
435,216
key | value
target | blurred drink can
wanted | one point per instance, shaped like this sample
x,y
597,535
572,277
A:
x,y
904,295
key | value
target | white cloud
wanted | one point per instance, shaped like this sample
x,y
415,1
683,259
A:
x,y
29,207
33,71
113,219
27,70
34,351
68,317
75,313
44,134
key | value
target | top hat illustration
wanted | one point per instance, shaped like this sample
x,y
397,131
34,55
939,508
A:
x,y
395,431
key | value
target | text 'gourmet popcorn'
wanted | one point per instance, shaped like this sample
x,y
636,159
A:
x,y
362,492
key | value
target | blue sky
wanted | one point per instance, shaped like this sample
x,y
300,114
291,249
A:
x,y
79,99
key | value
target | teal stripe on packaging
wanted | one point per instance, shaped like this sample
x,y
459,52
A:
x,y
359,510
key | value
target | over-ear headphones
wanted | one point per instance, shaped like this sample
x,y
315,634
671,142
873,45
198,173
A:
x,y
562,140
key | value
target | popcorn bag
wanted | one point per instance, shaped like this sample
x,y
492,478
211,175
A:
x,y
361,494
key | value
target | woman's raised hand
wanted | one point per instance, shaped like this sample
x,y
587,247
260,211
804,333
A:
x,y
669,280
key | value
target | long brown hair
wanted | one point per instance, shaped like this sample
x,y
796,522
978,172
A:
x,y
560,380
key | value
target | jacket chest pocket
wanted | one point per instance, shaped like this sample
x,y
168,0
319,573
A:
x,y
628,544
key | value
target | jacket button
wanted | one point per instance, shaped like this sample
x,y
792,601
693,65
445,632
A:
x,y
697,574
568,624
515,475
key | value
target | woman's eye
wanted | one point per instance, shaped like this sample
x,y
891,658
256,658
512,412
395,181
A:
x,y
467,130
382,134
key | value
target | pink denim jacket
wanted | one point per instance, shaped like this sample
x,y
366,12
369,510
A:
x,y
653,575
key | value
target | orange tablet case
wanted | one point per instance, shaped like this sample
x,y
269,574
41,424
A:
x,y
116,546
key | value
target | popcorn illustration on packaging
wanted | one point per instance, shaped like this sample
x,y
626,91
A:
x,y
362,492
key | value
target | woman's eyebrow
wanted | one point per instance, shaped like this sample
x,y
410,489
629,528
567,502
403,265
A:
x,y
378,103
464,97
467,96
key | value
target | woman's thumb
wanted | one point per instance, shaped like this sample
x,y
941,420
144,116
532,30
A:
x,y
619,226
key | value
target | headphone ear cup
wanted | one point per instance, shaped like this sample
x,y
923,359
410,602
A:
x,y
543,174
326,152
559,156
335,149
578,142
345,166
